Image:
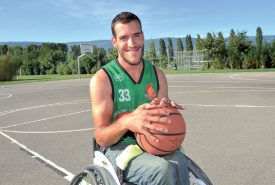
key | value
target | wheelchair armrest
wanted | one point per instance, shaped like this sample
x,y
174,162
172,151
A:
x,y
95,146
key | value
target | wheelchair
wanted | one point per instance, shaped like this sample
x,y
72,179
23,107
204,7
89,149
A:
x,y
101,172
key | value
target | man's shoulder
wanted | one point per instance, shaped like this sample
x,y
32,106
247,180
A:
x,y
99,76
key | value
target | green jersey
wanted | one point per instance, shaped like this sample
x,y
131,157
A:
x,y
128,94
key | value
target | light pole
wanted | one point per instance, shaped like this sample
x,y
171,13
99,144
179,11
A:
x,y
78,64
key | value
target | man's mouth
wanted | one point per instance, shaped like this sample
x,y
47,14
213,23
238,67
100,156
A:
x,y
133,50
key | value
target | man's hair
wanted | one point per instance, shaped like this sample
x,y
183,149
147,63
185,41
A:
x,y
124,17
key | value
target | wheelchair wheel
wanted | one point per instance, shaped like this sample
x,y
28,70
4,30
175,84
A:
x,y
93,175
197,172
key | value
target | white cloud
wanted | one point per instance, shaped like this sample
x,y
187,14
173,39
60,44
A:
x,y
94,10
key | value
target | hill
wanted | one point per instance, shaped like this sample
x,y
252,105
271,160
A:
x,y
106,44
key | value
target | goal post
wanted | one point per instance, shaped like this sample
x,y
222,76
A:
x,y
187,59
180,60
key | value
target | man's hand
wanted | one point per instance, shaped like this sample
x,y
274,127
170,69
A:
x,y
165,102
142,119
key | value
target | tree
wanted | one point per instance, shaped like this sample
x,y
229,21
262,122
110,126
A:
x,y
76,51
219,51
150,53
243,46
170,50
162,54
15,51
250,59
97,59
232,49
259,47
46,58
31,63
50,55
112,54
238,48
179,45
272,53
9,66
266,55
189,44
3,49
199,43
209,49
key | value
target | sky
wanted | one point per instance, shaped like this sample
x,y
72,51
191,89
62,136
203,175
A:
x,y
89,20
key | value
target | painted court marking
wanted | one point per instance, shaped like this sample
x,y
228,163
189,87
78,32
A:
x,y
5,96
237,77
221,91
34,155
42,106
236,106
66,174
44,119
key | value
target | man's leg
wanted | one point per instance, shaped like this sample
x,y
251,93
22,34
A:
x,y
180,162
146,169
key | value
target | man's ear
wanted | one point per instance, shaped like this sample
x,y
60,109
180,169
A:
x,y
114,42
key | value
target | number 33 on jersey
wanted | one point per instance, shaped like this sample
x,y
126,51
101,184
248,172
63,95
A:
x,y
124,95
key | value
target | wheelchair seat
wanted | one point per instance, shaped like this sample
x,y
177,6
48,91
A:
x,y
101,172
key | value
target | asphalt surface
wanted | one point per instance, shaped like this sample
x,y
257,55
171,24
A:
x,y
46,128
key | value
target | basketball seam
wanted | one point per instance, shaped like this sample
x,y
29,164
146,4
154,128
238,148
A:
x,y
167,134
157,147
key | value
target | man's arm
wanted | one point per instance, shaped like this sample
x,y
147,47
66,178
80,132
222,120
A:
x,y
163,86
106,133
163,92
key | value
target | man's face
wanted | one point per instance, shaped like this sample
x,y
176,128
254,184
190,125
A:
x,y
129,42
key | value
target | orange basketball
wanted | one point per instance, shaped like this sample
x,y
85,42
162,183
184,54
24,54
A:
x,y
168,142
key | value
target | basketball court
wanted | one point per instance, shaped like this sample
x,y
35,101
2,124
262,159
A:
x,y
46,128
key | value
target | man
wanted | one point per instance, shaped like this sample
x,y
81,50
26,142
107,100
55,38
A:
x,y
124,94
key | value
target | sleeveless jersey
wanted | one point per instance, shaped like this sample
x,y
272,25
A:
x,y
128,94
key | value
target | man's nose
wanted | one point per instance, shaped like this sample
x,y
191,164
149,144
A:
x,y
131,42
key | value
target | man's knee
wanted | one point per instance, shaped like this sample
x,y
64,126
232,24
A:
x,y
164,174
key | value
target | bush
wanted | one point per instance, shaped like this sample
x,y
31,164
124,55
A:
x,y
8,67
63,69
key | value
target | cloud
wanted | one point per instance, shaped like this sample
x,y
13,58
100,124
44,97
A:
x,y
94,10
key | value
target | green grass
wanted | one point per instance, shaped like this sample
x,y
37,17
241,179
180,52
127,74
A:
x,y
187,71
42,78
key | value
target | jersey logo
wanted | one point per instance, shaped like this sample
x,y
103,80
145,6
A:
x,y
151,92
119,77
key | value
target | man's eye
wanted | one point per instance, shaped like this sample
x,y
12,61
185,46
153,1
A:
x,y
123,38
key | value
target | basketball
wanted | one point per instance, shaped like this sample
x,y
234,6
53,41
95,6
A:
x,y
168,142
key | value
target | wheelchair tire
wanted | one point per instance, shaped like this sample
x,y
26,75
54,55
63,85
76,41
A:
x,y
197,172
93,175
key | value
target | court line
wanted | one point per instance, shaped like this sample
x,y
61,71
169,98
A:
x,y
44,119
42,106
237,106
219,91
223,82
8,96
46,132
223,87
235,76
69,176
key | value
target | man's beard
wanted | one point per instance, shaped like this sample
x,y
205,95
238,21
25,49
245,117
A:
x,y
134,64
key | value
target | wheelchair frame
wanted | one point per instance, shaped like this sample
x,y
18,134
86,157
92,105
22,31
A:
x,y
101,172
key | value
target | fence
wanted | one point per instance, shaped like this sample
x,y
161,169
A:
x,y
182,60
